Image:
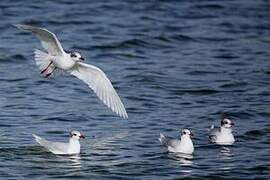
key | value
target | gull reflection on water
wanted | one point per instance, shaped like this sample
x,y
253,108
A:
x,y
75,160
226,156
226,153
183,159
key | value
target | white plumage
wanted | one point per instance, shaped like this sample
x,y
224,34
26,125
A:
x,y
57,59
183,145
222,135
72,147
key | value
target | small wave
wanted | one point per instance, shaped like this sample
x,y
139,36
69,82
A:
x,y
61,119
195,92
12,58
215,39
201,72
68,22
55,132
226,56
254,133
147,42
257,133
209,7
13,79
54,100
233,85
183,38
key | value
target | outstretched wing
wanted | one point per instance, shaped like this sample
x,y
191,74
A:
x,y
48,39
101,85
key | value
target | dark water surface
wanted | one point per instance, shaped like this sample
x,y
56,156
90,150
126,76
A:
x,y
175,64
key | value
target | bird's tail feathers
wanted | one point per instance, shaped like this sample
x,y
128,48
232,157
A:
x,y
162,139
37,138
42,59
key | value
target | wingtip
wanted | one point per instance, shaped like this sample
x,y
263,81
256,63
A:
x,y
23,26
36,137
125,115
18,26
161,136
121,112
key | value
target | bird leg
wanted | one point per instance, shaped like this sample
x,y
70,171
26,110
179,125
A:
x,y
49,74
44,70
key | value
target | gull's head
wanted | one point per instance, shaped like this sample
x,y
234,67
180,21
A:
x,y
186,133
76,135
75,56
226,123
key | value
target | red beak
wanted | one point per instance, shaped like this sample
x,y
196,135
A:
x,y
82,136
232,124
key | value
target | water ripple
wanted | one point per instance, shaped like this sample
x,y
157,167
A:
x,y
175,64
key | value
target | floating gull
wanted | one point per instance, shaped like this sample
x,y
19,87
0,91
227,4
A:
x,y
72,147
183,145
222,135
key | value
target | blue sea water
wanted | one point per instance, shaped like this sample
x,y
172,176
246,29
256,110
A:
x,y
175,63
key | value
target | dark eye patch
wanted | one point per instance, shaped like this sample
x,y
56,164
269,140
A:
x,y
74,134
224,122
73,55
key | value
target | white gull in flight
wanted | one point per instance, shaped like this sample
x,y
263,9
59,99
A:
x,y
57,59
